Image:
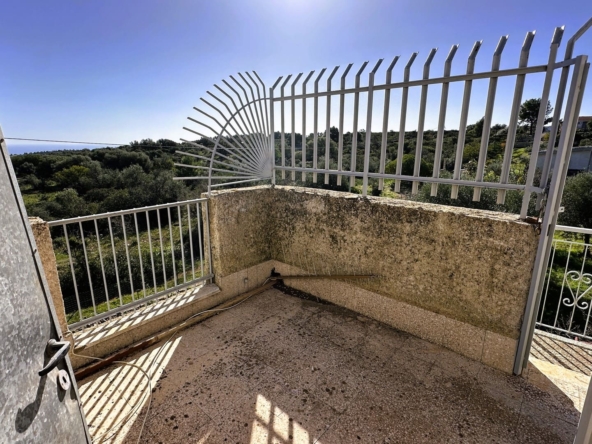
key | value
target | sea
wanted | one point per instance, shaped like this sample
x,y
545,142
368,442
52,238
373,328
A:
x,y
15,147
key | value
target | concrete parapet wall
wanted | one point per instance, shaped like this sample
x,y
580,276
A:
x,y
438,268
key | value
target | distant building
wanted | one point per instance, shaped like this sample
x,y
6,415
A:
x,y
581,159
583,122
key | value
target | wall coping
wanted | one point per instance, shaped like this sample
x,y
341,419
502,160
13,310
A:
x,y
387,201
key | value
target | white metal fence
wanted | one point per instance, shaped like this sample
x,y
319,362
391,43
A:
x,y
112,262
567,296
243,148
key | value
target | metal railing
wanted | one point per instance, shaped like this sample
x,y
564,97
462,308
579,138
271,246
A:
x,y
243,148
567,296
112,262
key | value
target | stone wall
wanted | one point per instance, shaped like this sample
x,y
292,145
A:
x,y
48,262
439,270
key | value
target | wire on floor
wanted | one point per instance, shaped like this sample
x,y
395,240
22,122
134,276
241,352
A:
x,y
114,429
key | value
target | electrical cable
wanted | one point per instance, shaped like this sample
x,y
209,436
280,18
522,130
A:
x,y
63,141
115,428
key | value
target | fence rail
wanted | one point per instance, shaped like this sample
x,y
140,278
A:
x,y
566,305
112,262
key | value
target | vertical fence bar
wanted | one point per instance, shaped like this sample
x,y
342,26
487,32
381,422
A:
x,y
497,57
72,270
161,249
354,148
282,124
550,271
199,238
181,238
328,125
589,304
115,260
102,265
191,240
151,252
442,119
341,117
264,100
272,130
304,124
562,285
402,122
536,143
129,265
513,124
368,140
172,245
315,147
293,117
385,117
420,125
464,115
207,233
140,253
92,293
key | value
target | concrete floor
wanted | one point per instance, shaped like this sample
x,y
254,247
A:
x,y
279,369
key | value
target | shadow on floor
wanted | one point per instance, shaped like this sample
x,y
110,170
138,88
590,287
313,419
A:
x,y
567,353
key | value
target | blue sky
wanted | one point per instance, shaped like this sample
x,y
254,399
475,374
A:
x,y
115,71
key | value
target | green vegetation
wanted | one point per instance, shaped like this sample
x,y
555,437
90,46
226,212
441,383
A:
x,y
569,254
577,202
63,184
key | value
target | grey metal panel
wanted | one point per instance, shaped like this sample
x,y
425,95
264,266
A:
x,y
33,408
580,159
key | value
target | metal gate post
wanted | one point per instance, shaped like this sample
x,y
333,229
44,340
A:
x,y
552,210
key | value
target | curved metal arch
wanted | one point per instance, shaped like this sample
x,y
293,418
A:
x,y
236,142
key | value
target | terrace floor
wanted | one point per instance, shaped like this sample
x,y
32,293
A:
x,y
281,369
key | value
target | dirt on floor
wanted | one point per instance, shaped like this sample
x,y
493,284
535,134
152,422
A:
x,y
279,368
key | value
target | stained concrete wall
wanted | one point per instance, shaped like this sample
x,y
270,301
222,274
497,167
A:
x,y
437,267
453,276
